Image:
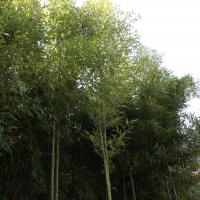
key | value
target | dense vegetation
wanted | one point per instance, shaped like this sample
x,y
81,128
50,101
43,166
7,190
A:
x,y
80,74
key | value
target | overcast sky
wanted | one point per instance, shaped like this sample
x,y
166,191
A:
x,y
171,27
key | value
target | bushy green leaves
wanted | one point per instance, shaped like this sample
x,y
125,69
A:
x,y
86,66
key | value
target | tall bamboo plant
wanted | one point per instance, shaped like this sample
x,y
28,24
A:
x,y
99,46
105,109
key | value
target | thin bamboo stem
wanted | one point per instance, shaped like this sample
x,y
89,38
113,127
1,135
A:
x,y
57,165
104,159
172,182
177,192
132,184
124,187
107,163
53,163
187,190
72,180
167,187
7,186
85,193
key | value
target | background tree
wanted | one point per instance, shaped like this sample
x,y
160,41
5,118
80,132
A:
x,y
160,124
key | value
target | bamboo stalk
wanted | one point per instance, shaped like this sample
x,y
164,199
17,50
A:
x,y
132,184
104,157
7,186
187,190
172,182
85,193
72,183
72,160
57,165
168,194
177,192
107,163
124,187
53,163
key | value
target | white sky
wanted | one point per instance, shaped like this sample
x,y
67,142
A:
x,y
171,27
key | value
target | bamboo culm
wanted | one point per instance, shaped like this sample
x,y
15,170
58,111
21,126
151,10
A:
x,y
57,165
85,193
107,163
133,187
167,187
104,159
187,190
53,163
175,193
124,187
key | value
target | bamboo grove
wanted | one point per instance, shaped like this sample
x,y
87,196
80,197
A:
x,y
87,111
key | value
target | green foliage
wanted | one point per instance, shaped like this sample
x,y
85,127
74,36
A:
x,y
85,68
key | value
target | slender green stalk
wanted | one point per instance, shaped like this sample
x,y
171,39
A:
x,y
73,182
167,187
124,187
107,163
53,163
72,161
104,157
57,165
7,186
132,184
187,190
85,193
175,193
